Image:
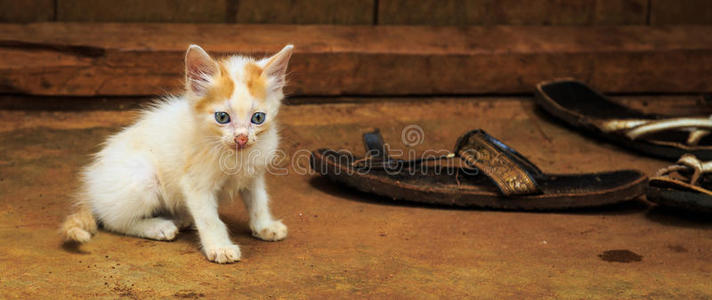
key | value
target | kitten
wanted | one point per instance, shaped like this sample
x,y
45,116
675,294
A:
x,y
167,171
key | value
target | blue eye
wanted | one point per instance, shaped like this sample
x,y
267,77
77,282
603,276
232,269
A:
x,y
222,117
258,118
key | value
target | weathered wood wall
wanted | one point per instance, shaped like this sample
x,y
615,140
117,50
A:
x,y
365,12
146,59
418,47
514,12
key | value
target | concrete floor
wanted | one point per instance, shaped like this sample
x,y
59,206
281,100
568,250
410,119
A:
x,y
347,244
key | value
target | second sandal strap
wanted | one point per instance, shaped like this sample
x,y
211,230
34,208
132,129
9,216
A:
x,y
510,171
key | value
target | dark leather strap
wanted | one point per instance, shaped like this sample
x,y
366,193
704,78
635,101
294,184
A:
x,y
375,147
509,170
378,158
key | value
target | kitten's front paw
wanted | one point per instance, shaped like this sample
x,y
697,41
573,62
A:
x,y
224,254
163,230
274,231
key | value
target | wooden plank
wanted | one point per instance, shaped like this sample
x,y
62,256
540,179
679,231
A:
x,y
430,12
214,11
674,105
621,12
147,59
26,10
345,12
667,12
512,12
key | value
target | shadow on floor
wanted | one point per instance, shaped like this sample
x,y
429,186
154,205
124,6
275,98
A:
x,y
236,225
679,218
343,191
74,248
185,236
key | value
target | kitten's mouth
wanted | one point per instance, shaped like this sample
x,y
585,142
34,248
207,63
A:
x,y
238,147
241,142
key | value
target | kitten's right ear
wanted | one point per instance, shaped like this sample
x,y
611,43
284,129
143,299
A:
x,y
199,70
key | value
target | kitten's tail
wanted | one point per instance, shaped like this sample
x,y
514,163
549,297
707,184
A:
x,y
79,226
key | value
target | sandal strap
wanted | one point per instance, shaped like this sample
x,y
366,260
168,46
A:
x,y
377,155
638,128
375,147
688,162
510,171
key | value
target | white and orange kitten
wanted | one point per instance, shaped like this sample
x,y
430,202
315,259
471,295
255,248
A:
x,y
166,171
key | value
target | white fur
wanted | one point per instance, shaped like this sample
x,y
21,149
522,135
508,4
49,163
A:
x,y
164,173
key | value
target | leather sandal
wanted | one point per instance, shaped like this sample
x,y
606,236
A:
x,y
480,172
588,110
684,185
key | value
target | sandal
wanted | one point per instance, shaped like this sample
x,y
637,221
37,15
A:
x,y
661,136
686,185
480,172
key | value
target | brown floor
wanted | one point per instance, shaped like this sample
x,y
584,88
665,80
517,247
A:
x,y
348,244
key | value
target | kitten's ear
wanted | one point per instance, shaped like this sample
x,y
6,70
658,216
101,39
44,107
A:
x,y
275,67
199,69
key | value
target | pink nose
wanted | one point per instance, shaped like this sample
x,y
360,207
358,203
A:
x,y
241,140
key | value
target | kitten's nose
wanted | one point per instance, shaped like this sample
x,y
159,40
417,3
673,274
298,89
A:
x,y
241,140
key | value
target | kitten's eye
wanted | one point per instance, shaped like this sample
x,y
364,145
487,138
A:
x,y
222,117
258,118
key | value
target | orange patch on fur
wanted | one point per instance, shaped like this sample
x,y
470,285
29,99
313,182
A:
x,y
255,81
221,91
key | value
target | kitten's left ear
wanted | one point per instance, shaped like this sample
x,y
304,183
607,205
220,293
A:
x,y
199,69
275,67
